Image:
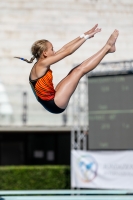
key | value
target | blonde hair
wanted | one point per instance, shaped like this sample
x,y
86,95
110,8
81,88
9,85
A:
x,y
36,50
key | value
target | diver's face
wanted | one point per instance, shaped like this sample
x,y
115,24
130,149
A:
x,y
50,51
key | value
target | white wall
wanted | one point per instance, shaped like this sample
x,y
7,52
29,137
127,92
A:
x,y
22,22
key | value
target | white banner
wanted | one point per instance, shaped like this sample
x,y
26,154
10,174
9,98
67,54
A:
x,y
102,169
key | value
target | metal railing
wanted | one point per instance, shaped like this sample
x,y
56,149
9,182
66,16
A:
x,y
66,195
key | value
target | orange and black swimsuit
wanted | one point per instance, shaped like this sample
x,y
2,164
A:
x,y
44,91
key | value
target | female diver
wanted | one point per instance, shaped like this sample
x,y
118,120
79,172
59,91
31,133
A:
x,y
56,100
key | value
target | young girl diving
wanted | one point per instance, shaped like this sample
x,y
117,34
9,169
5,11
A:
x,y
55,100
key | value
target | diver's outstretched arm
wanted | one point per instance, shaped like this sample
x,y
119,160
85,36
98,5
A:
x,y
76,43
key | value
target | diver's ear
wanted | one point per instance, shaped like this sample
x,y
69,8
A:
x,y
44,54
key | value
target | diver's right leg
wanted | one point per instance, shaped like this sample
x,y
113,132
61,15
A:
x,y
67,86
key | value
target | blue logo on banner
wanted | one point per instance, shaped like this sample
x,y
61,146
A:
x,y
88,168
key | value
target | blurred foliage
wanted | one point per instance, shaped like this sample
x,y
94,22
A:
x,y
34,177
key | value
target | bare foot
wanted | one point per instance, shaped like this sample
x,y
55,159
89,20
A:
x,y
111,41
